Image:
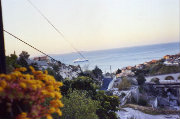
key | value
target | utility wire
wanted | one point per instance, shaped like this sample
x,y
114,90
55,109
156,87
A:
x,y
56,29
30,46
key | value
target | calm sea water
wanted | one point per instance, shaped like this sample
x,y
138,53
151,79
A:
x,y
120,57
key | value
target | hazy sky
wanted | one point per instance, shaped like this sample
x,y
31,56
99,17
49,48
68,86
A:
x,y
90,24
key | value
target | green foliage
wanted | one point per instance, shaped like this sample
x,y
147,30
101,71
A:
x,y
118,71
80,83
159,68
108,106
97,72
87,73
140,79
144,71
56,75
79,106
56,68
23,57
66,86
85,83
11,63
125,84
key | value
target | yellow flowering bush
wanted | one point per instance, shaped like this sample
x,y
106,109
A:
x,y
29,96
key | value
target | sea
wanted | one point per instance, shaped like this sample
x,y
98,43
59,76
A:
x,y
111,59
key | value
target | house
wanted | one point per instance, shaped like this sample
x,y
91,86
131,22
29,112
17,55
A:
x,y
167,57
129,67
154,61
43,58
139,66
42,64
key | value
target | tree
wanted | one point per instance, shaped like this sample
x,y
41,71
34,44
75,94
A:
x,y
108,106
56,68
79,106
11,63
85,83
56,75
23,57
97,72
80,83
118,71
141,79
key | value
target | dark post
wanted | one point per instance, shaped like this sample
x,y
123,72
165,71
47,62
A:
x,y
2,47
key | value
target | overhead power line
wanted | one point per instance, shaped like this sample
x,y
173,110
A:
x,y
30,45
55,28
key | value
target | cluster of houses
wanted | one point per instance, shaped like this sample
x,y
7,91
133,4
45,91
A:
x,y
42,62
66,71
169,60
172,60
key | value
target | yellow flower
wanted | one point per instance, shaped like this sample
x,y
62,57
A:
x,y
59,112
59,84
51,95
49,117
23,69
31,68
44,92
56,103
45,72
1,89
3,83
23,114
52,110
22,85
38,72
51,88
38,82
8,78
39,86
27,76
2,75
34,87
58,95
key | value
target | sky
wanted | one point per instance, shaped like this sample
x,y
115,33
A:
x,y
89,24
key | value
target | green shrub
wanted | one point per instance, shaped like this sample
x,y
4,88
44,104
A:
x,y
79,106
108,106
125,84
141,79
